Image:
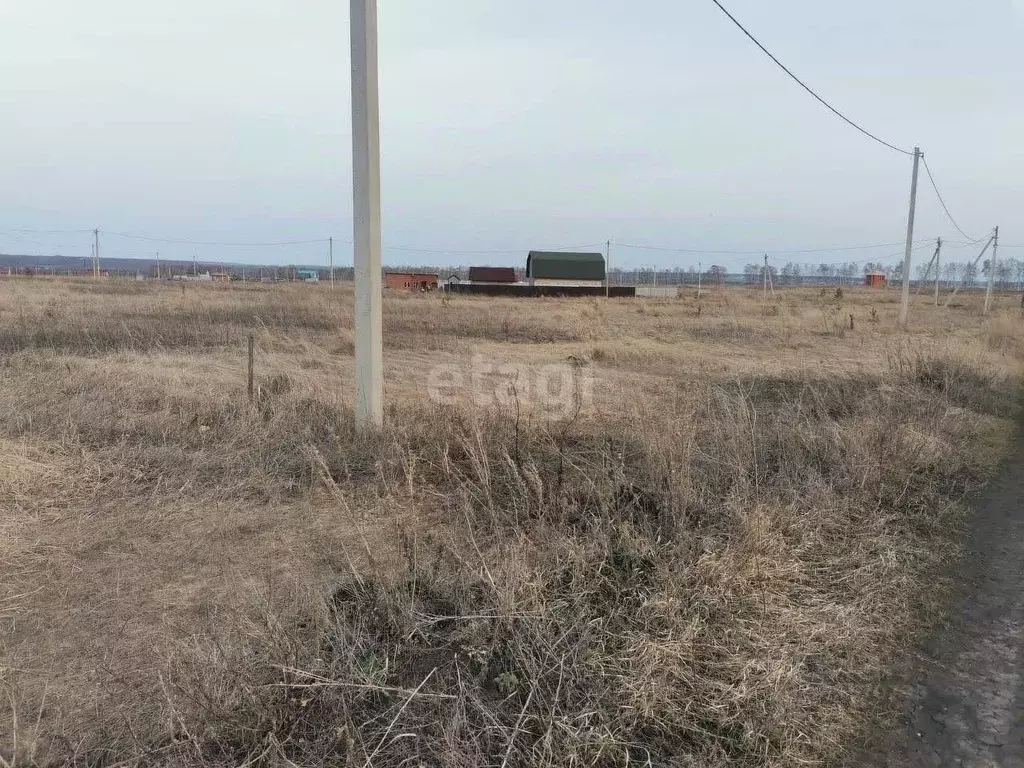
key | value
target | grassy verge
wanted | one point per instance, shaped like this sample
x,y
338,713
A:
x,y
729,594
720,570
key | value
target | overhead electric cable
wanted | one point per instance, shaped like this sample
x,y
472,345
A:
x,y
942,202
806,87
762,250
181,241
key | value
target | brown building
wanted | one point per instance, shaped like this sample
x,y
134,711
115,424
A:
x,y
876,280
492,275
410,281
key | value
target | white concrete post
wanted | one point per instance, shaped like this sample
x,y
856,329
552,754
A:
x,y
905,300
992,271
607,269
330,258
369,406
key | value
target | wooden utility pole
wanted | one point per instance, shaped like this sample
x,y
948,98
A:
x,y
369,406
992,271
905,299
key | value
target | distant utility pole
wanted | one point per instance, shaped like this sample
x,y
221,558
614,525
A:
x,y
195,264
369,406
928,269
975,266
905,299
607,269
96,253
330,258
992,271
938,268
158,265
698,279
766,277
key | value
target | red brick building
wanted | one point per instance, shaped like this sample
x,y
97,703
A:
x,y
410,281
876,280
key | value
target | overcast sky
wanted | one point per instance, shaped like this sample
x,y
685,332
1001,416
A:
x,y
508,125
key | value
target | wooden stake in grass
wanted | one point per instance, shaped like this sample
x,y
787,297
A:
x,y
250,387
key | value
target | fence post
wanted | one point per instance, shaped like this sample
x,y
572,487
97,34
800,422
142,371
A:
x,y
250,387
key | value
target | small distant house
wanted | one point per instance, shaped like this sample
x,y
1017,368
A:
x,y
410,281
308,275
502,275
220,277
202,277
562,268
876,279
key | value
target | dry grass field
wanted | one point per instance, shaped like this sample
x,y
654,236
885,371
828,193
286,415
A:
x,y
645,532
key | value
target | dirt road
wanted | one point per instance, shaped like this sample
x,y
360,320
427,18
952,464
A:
x,y
967,701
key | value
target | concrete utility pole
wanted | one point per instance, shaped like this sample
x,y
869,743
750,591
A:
x,y
330,258
938,268
928,269
905,300
195,264
766,276
158,265
975,263
96,253
607,269
369,408
698,279
992,271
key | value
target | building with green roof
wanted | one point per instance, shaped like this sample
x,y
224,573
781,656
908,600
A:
x,y
565,268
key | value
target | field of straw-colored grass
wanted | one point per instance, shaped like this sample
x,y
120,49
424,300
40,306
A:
x,y
710,543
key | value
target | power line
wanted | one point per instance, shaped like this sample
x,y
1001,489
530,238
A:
x,y
900,254
938,194
805,86
761,251
249,244
182,241
48,231
412,249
